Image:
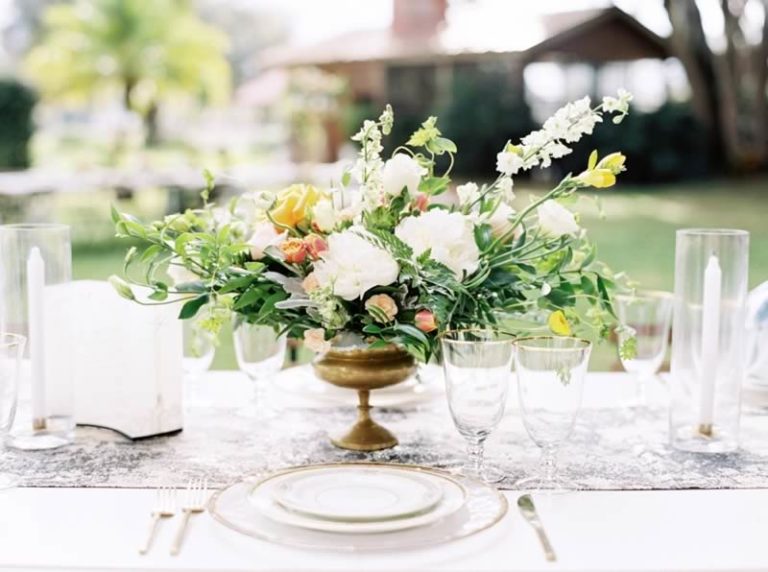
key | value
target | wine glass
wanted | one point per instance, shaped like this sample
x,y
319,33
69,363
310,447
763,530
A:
x,y
11,350
644,319
260,353
478,367
199,349
550,381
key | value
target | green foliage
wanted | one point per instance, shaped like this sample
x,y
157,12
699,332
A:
x,y
17,102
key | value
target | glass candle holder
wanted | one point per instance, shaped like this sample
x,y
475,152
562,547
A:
x,y
708,339
35,263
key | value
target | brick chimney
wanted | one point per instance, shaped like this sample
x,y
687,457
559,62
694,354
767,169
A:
x,y
418,18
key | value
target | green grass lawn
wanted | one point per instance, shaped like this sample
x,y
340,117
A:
x,y
637,234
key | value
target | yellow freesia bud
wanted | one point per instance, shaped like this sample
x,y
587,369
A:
x,y
559,324
598,178
613,162
293,205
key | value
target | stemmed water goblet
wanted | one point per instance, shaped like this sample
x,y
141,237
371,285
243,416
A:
x,y
478,368
260,353
11,351
550,381
644,322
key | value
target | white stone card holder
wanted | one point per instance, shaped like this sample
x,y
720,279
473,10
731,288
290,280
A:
x,y
124,359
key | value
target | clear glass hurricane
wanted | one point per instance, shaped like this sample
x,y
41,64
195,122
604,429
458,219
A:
x,y
644,319
550,381
260,353
478,368
11,350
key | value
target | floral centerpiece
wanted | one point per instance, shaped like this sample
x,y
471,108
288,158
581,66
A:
x,y
380,258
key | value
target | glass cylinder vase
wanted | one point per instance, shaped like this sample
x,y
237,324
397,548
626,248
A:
x,y
708,339
35,264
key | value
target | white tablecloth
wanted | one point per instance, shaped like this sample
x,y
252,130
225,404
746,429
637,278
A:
x,y
638,531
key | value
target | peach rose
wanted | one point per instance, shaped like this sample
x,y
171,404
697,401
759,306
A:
x,y
384,303
315,245
314,339
310,283
294,250
425,321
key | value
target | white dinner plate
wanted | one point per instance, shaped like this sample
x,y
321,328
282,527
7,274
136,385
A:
x,y
358,494
453,497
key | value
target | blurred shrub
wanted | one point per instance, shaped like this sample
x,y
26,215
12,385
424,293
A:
x,y
485,111
666,145
16,104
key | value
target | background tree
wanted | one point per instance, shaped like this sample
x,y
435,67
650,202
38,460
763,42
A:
x,y
144,51
729,84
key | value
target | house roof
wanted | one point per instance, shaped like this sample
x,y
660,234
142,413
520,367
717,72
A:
x,y
590,34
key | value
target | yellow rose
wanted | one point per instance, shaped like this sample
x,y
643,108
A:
x,y
559,324
293,205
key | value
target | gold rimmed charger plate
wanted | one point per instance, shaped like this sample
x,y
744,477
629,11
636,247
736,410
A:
x,y
483,508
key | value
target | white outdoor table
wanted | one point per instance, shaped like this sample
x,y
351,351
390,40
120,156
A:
x,y
688,530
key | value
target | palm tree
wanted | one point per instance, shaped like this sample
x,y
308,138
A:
x,y
143,51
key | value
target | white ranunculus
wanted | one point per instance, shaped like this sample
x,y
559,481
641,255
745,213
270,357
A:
x,y
401,172
468,193
324,215
264,235
556,220
449,236
352,265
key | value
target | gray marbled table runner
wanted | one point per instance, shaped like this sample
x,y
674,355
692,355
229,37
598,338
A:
x,y
610,449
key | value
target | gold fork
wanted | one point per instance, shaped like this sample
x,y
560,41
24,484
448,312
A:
x,y
194,502
165,506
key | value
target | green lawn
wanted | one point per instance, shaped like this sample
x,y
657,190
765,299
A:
x,y
637,234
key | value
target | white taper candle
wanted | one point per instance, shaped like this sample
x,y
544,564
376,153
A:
x,y
710,335
35,286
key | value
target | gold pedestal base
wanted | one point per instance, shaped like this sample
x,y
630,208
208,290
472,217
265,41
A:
x,y
364,370
365,434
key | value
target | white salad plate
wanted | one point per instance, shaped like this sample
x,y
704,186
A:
x,y
450,497
358,494
480,507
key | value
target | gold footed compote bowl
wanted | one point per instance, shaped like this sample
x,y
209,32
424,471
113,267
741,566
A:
x,y
365,369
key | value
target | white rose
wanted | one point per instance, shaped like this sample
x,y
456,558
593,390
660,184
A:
x,y
500,219
352,265
401,171
449,236
324,215
264,235
468,193
556,220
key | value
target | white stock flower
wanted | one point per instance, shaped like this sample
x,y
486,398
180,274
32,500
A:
x,y
449,236
352,265
468,193
506,186
556,220
401,172
264,235
509,163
